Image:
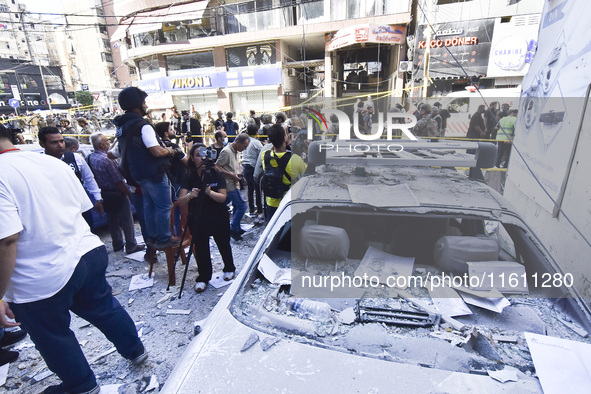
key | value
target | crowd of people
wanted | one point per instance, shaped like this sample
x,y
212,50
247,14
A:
x,y
50,261
24,129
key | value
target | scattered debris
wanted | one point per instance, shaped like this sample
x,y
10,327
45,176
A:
x,y
498,274
120,273
166,297
397,317
153,384
347,316
83,343
131,300
42,375
178,311
504,375
575,327
505,338
252,339
483,346
23,345
95,359
140,282
268,342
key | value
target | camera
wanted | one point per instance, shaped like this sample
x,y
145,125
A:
x,y
209,156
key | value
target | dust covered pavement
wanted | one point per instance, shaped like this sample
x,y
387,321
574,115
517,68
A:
x,y
164,334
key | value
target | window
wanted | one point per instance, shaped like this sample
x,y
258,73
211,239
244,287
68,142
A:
x,y
28,82
102,29
189,61
149,66
53,82
107,57
106,44
252,55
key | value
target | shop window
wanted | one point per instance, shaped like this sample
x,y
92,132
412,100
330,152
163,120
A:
x,y
28,82
189,61
53,82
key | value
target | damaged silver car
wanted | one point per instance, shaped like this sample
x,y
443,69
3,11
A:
x,y
388,271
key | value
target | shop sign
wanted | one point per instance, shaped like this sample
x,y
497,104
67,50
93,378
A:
x,y
374,33
456,48
191,82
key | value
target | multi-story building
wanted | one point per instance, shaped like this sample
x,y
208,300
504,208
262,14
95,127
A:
x,y
89,50
489,42
26,73
262,54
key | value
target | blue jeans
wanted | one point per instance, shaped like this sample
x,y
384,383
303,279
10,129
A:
x,y
239,208
88,295
157,204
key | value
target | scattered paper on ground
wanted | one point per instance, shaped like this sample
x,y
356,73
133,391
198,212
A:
x,y
384,265
153,384
448,301
274,274
504,375
110,389
492,300
218,281
563,366
140,282
246,226
3,373
383,195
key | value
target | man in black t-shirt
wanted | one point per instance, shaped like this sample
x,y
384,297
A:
x,y
477,128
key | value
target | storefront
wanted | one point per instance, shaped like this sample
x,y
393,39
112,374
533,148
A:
x,y
241,89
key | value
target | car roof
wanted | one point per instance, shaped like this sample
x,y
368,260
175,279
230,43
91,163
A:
x,y
432,187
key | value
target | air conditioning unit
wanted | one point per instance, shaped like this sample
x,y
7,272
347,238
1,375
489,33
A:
x,y
291,72
405,67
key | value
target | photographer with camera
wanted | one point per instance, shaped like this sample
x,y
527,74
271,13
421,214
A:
x,y
204,190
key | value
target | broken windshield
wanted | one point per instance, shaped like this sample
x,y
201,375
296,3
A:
x,y
445,289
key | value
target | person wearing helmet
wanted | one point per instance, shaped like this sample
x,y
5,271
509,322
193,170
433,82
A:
x,y
144,160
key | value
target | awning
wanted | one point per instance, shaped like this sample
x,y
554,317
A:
x,y
144,22
365,33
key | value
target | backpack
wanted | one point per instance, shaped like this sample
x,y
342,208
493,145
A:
x,y
272,179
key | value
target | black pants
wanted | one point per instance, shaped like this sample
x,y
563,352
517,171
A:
x,y
220,231
254,193
504,148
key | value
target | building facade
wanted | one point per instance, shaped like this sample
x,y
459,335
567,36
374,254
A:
x,y
261,54
491,43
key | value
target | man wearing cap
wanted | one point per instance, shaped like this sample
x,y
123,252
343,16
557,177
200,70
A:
x,y
145,159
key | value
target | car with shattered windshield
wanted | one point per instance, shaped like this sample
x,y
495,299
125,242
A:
x,y
392,268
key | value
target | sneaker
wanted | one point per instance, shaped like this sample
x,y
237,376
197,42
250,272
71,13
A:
x,y
251,215
200,287
228,275
12,337
59,389
7,356
236,236
117,248
138,360
136,248
172,242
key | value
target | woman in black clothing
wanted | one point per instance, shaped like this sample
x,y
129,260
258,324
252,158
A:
x,y
204,190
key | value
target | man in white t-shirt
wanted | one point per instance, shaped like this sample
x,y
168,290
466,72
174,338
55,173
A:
x,y
51,264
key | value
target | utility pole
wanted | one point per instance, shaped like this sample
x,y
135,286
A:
x,y
47,99
427,49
